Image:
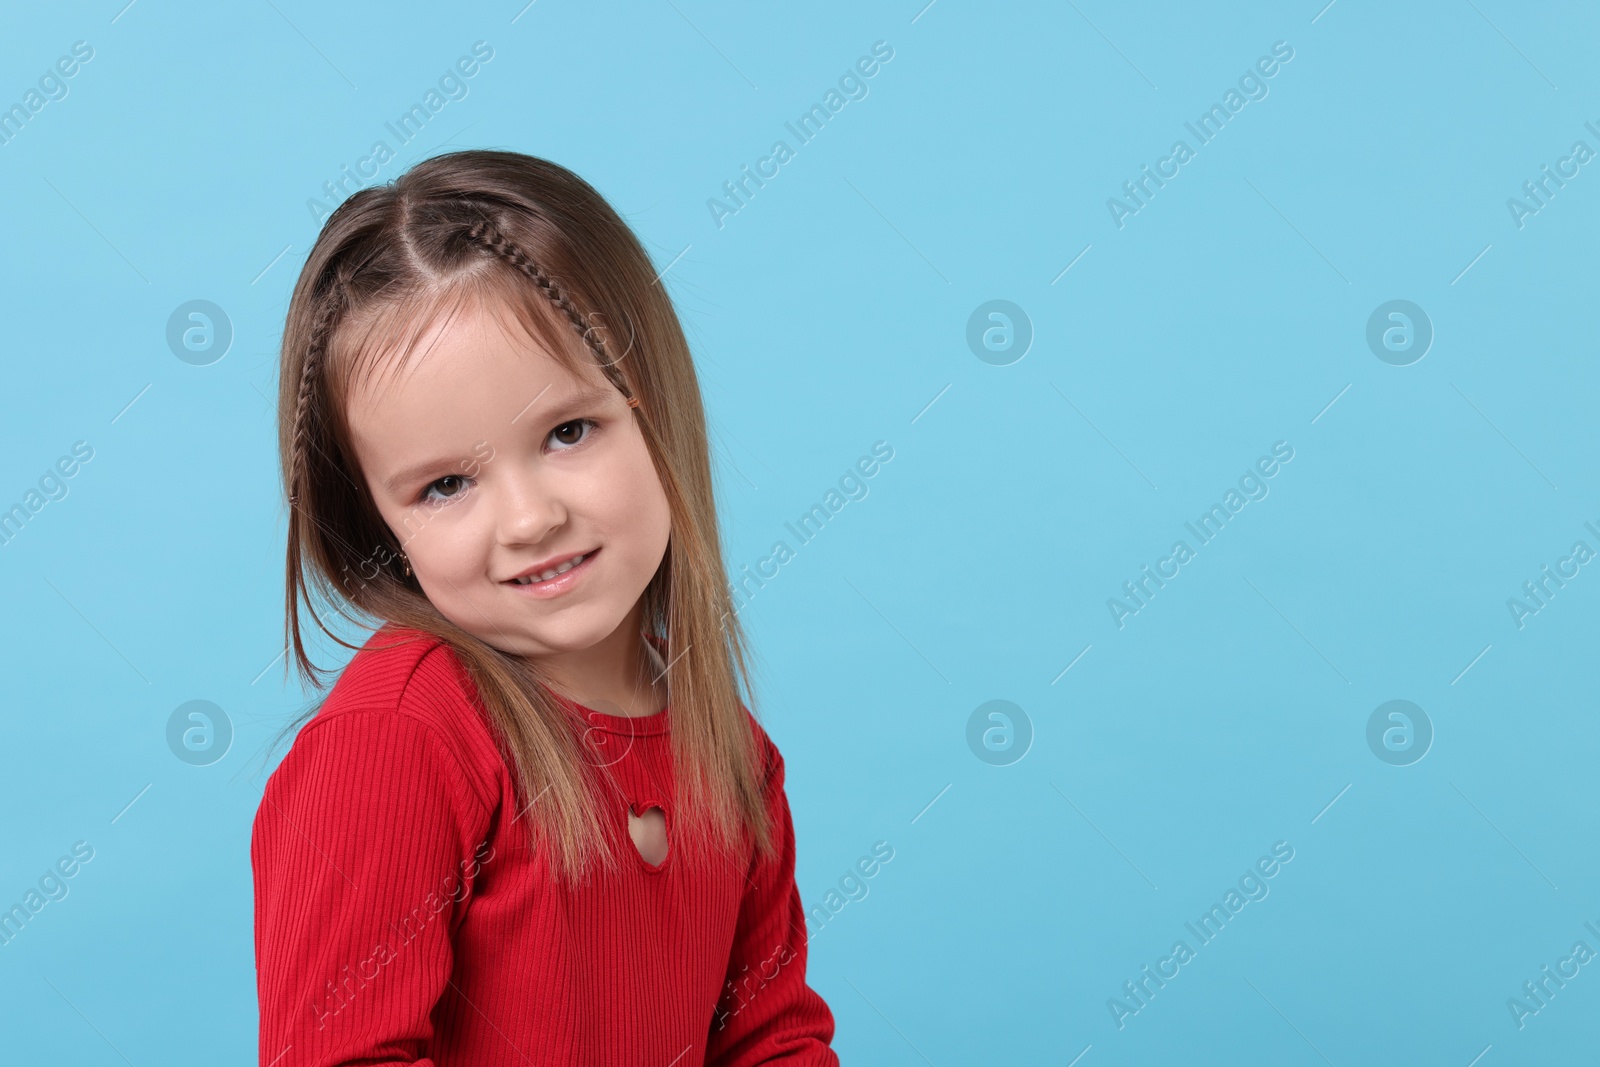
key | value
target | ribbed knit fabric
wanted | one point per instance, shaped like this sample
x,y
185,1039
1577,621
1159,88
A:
x,y
401,916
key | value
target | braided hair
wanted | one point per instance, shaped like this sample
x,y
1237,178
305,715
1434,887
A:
x,y
310,372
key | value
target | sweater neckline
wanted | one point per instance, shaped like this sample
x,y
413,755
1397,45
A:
x,y
631,725
657,722
627,725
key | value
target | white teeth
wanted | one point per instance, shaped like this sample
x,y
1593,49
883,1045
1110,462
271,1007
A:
x,y
547,575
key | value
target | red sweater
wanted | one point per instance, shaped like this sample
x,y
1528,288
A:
x,y
402,918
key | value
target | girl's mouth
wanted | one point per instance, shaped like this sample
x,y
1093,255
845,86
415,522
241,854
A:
x,y
561,579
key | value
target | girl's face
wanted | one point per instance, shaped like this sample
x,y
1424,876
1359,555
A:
x,y
490,462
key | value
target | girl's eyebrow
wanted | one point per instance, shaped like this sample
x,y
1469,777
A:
x,y
585,397
400,479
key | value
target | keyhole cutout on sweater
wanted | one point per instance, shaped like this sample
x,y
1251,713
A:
x,y
649,833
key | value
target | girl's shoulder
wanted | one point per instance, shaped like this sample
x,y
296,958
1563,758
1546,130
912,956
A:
x,y
771,760
408,679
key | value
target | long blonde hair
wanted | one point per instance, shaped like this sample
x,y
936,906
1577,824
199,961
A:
x,y
511,230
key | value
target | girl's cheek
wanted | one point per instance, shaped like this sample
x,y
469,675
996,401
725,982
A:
x,y
476,547
638,474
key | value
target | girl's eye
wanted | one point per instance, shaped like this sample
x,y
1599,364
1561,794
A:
x,y
571,434
446,488
567,436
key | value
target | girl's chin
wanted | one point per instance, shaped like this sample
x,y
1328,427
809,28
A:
x,y
572,634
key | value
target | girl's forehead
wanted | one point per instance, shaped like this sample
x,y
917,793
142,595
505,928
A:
x,y
464,345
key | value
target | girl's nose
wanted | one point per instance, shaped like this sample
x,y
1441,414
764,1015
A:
x,y
528,511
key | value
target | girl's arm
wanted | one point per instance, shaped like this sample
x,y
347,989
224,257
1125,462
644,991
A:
x,y
767,1012
363,859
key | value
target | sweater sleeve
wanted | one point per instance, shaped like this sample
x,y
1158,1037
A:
x,y
767,1012
363,852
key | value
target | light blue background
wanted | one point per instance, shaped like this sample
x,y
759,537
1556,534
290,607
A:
x,y
1228,314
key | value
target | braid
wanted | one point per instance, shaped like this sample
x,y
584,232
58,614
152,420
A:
x,y
310,371
485,233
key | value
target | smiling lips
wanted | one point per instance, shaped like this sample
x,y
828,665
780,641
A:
x,y
548,580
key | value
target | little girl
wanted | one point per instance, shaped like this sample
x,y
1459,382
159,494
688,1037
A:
x,y
532,823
